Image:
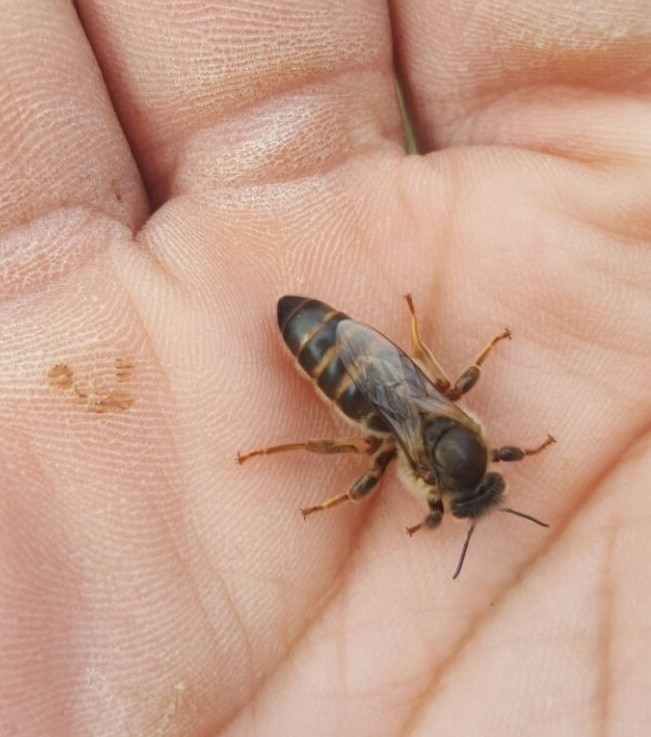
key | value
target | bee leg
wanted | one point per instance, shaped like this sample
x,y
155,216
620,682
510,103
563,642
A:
x,y
364,484
336,445
512,453
432,520
471,375
423,354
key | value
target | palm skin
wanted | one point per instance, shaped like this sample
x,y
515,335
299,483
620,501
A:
x,y
149,584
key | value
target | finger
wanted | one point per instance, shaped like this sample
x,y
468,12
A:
x,y
232,93
474,73
60,142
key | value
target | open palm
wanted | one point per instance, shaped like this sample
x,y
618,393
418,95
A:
x,y
169,172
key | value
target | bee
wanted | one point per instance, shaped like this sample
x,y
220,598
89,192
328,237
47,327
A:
x,y
406,409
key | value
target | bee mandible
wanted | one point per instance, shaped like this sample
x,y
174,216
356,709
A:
x,y
407,409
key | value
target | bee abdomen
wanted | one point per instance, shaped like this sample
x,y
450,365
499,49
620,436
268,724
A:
x,y
309,329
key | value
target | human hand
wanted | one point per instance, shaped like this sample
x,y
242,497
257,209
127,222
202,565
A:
x,y
167,173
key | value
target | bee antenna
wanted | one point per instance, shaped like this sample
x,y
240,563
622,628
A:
x,y
462,557
525,516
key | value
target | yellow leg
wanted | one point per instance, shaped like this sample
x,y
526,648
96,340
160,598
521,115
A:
x,y
509,453
471,375
433,519
336,445
423,354
364,484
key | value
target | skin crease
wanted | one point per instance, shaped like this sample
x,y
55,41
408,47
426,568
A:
x,y
167,172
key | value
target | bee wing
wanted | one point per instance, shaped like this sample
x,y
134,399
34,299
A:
x,y
399,391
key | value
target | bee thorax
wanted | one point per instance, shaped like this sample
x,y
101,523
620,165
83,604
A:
x,y
416,485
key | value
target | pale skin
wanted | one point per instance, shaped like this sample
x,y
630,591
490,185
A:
x,y
167,172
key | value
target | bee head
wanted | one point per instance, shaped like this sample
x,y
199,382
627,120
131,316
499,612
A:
x,y
475,503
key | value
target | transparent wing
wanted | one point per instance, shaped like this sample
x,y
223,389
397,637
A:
x,y
399,391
